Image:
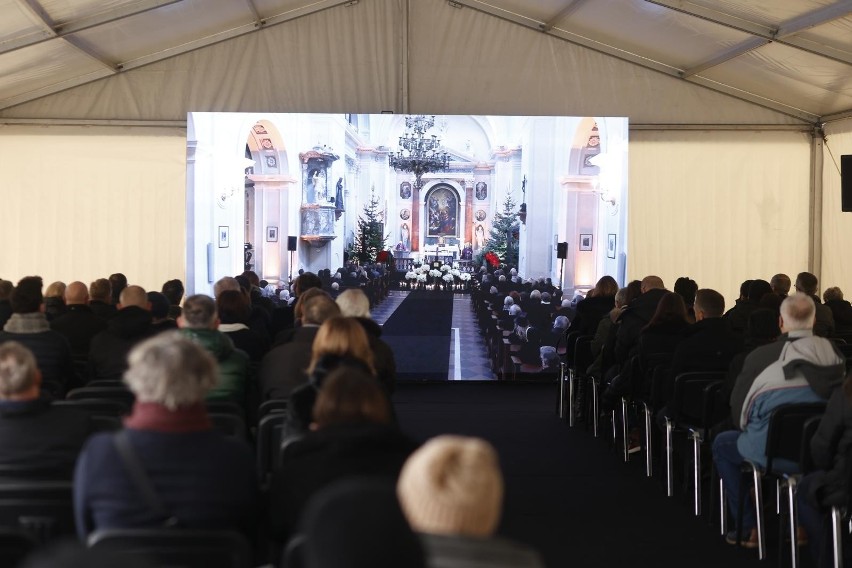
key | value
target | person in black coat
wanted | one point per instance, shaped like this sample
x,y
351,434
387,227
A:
x,y
709,345
665,331
828,486
738,315
636,316
840,309
352,435
130,325
78,324
28,326
38,440
234,311
595,306
100,298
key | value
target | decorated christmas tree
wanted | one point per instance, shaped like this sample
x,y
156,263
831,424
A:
x,y
503,238
370,238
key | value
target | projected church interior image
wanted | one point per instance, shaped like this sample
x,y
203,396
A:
x,y
276,193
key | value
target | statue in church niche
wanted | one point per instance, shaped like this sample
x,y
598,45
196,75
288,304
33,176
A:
x,y
405,190
405,236
479,237
481,190
317,187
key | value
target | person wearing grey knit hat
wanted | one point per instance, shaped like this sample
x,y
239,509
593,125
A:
x,y
451,492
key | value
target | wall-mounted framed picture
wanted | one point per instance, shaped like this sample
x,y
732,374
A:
x,y
272,234
585,242
224,236
610,245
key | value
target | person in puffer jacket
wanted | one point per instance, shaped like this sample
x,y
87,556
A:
x,y
199,322
807,370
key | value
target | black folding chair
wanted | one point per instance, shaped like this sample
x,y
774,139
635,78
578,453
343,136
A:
x,y
121,394
42,509
15,545
783,442
228,424
97,406
177,547
269,432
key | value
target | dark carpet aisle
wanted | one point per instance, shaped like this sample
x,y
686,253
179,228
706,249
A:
x,y
567,494
419,334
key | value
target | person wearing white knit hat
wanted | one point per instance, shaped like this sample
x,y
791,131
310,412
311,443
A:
x,y
451,492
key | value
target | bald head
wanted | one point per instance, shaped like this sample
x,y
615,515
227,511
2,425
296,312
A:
x,y
652,283
134,296
76,293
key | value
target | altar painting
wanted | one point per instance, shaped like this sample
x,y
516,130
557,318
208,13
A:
x,y
442,207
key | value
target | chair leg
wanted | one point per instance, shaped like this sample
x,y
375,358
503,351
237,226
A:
x,y
571,398
669,465
723,509
696,471
791,509
758,506
614,426
562,390
595,407
649,455
624,437
837,536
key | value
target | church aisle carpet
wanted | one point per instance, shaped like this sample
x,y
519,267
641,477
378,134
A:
x,y
419,331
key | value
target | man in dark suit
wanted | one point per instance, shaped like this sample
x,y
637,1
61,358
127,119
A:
x,y
636,316
807,283
38,440
78,324
130,325
284,367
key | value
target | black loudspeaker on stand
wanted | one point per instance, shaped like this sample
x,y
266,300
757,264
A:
x,y
846,183
291,246
561,254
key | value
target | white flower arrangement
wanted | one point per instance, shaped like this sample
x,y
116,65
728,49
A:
x,y
410,275
456,265
465,277
448,278
445,268
435,273
455,272
421,278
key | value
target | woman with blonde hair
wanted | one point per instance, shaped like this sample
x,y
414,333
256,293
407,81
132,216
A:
x,y
340,338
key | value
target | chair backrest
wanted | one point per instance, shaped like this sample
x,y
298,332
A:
x,y
97,406
689,394
15,545
43,509
107,383
583,356
272,406
177,547
122,394
225,407
269,431
293,554
716,406
806,461
786,429
228,424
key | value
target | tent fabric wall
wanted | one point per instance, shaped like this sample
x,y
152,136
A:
x,y
81,203
719,207
836,225
459,62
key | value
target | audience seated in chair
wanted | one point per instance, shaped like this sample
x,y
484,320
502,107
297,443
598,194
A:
x,y
174,291
38,440
29,326
200,322
807,283
200,478
595,306
54,300
130,325
160,320
100,298
829,485
806,369
355,304
451,491
79,324
841,310
751,294
636,316
234,311
356,523
285,367
352,434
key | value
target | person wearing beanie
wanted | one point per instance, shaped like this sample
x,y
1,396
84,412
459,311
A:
x,y
451,492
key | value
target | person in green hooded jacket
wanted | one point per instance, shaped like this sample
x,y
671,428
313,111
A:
x,y
199,322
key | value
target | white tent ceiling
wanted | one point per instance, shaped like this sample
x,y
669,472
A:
x,y
791,56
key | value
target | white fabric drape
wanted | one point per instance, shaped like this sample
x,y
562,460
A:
x,y
836,225
81,203
719,207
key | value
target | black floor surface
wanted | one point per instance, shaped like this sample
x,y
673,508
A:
x,y
418,331
567,493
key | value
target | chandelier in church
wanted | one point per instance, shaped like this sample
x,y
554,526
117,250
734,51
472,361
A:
x,y
418,153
